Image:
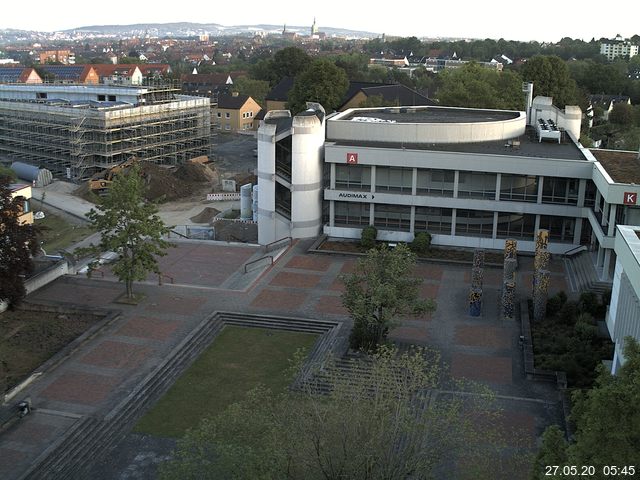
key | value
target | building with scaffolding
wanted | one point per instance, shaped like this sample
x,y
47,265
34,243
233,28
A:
x,y
78,130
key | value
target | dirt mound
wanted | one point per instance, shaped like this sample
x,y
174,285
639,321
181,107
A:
x,y
196,172
244,178
229,231
205,216
163,184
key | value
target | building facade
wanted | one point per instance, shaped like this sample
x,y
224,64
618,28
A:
x,y
618,48
235,113
623,315
22,191
469,177
77,130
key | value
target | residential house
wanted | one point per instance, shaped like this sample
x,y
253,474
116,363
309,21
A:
x,y
72,73
156,71
607,102
23,191
65,57
278,97
389,95
618,47
19,74
207,85
122,74
235,113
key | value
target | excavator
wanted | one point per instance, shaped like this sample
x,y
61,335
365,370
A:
x,y
101,181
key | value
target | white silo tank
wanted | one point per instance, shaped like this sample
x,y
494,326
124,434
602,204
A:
x,y
245,202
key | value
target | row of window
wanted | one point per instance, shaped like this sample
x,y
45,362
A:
x,y
481,185
475,223
228,115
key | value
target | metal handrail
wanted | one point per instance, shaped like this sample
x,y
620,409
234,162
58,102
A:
x,y
270,257
267,247
573,250
178,233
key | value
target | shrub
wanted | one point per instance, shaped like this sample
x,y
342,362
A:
x,y
368,237
421,243
555,303
589,303
568,313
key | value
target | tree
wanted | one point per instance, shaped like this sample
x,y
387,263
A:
x,y
607,421
380,290
129,227
377,420
322,82
18,243
477,87
290,62
551,78
622,114
553,451
256,89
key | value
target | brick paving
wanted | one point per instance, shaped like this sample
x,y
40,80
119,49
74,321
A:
x,y
94,378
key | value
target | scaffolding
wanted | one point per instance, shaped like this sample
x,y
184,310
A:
x,y
77,140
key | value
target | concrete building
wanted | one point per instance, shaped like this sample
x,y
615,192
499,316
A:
x,y
290,174
623,315
119,74
19,75
470,177
235,113
618,47
77,130
22,191
65,57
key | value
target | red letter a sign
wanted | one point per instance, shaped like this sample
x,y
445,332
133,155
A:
x,y
352,158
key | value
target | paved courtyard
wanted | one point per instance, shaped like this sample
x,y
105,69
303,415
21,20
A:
x,y
208,278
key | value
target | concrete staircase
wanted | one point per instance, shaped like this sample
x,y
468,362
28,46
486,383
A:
x,y
91,437
583,276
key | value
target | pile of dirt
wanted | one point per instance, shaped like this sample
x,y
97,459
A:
x,y
244,178
230,231
163,184
197,172
205,216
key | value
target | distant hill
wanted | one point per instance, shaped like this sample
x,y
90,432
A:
x,y
214,29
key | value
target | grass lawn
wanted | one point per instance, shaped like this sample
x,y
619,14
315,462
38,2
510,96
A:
x,y
239,359
59,234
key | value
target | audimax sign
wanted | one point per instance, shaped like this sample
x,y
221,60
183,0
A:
x,y
363,196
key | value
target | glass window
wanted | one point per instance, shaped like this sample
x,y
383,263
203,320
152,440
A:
x,y
477,185
474,223
353,177
227,115
560,190
351,214
435,182
516,225
560,228
590,194
433,220
519,188
392,217
392,179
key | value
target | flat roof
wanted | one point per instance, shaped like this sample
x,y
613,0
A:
x,y
622,166
528,147
428,114
282,123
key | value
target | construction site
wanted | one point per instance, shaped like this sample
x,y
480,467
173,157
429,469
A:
x,y
76,131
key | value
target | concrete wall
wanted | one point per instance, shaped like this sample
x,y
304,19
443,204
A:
x,y
49,275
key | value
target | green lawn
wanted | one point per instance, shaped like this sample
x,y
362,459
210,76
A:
x,y
238,360
59,234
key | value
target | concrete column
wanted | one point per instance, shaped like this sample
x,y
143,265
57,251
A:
x,y
412,224
332,179
540,186
373,179
537,224
599,257
494,232
582,189
597,200
332,213
414,184
606,265
372,213
577,231
498,182
453,221
605,214
456,181
612,220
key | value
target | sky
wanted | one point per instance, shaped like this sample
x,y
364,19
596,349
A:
x,y
512,20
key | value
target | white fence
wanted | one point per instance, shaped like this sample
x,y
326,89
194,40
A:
x,y
223,196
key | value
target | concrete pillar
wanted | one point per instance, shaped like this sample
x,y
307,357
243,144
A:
x,y
596,204
606,265
494,232
577,231
414,182
540,186
372,213
332,213
536,225
373,179
605,215
600,256
332,177
456,181
453,221
582,189
412,224
498,181
612,220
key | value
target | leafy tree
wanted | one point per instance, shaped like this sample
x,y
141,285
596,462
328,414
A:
x,y
380,290
622,114
478,87
368,237
553,451
290,62
256,89
7,172
322,82
129,227
551,78
18,243
376,421
607,420
421,243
